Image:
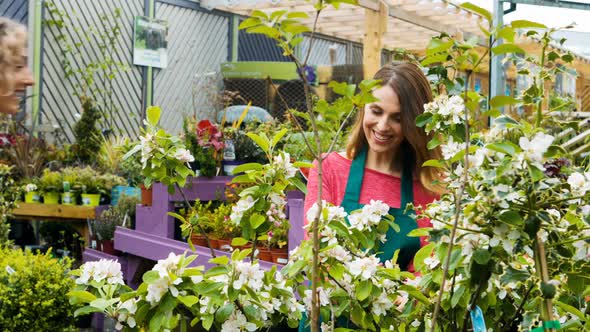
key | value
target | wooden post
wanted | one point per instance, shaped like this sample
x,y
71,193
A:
x,y
375,27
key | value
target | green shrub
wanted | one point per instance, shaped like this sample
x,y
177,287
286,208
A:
x,y
33,291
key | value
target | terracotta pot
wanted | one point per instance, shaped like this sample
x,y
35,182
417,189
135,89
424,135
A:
x,y
108,247
264,254
279,256
146,196
199,240
214,243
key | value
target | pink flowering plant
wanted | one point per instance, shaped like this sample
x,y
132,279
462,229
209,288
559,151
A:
x,y
164,157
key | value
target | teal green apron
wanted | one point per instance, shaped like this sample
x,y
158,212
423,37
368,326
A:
x,y
408,246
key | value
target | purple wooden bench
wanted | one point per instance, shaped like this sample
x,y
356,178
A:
x,y
153,237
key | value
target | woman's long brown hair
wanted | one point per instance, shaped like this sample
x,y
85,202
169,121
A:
x,y
413,91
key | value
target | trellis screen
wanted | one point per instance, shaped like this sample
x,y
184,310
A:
x,y
197,45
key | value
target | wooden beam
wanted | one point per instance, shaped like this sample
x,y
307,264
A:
x,y
375,27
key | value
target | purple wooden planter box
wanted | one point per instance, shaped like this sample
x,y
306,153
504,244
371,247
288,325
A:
x,y
153,237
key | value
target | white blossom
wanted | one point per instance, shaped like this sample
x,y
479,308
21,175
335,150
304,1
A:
x,y
108,270
184,155
365,267
381,304
243,205
282,161
534,148
579,183
237,322
30,187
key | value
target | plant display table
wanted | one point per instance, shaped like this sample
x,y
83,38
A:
x,y
153,237
77,215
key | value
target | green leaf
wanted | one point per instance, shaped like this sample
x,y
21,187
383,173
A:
x,y
238,242
293,15
434,59
84,296
476,9
277,137
415,293
504,147
363,289
437,45
256,220
433,163
524,24
422,231
433,143
220,260
85,310
567,58
336,271
207,321
482,256
298,184
223,313
247,167
249,22
153,115
215,271
188,300
506,33
511,217
507,48
262,142
156,321
423,119
457,295
500,101
150,277
422,254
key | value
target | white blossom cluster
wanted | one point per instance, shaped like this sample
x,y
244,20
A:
x,y
241,207
579,183
369,216
169,271
105,270
449,110
125,314
282,165
533,150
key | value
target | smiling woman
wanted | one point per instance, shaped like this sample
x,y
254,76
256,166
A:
x,y
15,76
383,160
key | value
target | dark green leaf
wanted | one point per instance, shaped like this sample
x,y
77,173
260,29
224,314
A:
x,y
511,217
482,256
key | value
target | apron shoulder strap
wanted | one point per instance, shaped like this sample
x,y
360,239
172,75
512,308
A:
x,y
355,178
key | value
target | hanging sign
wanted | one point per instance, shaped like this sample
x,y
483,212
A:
x,y
150,42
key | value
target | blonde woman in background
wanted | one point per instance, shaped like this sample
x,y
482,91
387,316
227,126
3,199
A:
x,y
15,76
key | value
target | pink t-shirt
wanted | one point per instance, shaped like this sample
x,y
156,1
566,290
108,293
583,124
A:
x,y
376,186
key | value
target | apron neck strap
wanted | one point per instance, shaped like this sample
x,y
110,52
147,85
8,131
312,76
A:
x,y
357,173
355,177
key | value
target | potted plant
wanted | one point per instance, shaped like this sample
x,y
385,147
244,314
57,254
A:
x,y
163,156
91,186
30,189
69,181
198,222
50,185
105,226
223,229
205,141
109,182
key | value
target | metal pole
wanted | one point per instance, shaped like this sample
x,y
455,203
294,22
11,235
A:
x,y
497,77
